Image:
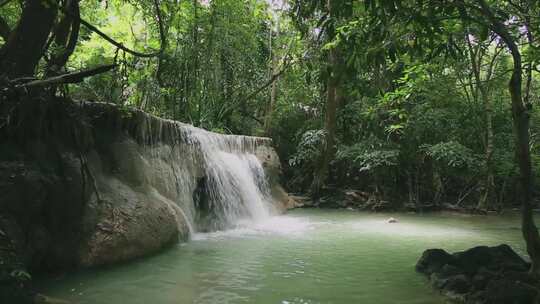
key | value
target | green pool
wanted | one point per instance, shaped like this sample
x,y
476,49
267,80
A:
x,y
306,256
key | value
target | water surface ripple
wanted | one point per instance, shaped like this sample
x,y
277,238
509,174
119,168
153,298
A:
x,y
304,257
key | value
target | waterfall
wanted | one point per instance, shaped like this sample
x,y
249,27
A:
x,y
221,178
211,181
126,183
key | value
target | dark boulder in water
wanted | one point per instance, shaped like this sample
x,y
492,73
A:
x,y
481,275
433,260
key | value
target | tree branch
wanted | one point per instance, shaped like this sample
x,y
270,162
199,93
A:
x,y
118,44
73,77
264,86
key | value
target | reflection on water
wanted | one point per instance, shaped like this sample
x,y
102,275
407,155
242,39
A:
x,y
307,256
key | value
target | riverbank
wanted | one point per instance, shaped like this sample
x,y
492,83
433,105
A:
x,y
366,201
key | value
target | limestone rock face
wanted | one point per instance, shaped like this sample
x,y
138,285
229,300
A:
x,y
272,166
93,184
138,209
129,230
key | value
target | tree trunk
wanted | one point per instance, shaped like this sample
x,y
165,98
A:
x,y
20,55
195,95
476,56
521,126
66,34
328,149
332,99
272,104
520,118
274,87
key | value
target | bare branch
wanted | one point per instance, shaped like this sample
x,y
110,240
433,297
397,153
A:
x,y
73,77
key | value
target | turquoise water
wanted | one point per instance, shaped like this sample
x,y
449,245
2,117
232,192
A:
x,y
306,256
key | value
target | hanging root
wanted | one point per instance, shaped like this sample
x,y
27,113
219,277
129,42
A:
x,y
85,170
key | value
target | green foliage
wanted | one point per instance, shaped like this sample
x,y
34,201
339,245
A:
x,y
20,275
452,154
369,155
409,105
309,148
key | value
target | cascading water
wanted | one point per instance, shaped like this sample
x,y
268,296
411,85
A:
x,y
230,187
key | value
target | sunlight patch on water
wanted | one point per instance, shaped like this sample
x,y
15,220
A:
x,y
381,226
274,225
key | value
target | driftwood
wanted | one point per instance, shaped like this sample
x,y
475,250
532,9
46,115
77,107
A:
x,y
73,77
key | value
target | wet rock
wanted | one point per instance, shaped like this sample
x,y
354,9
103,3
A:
x,y
433,260
128,231
508,291
481,275
459,284
496,258
268,156
437,280
391,220
444,275
449,270
482,278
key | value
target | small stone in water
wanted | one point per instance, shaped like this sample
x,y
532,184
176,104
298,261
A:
x,y
391,220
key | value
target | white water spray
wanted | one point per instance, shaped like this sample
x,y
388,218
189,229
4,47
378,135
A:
x,y
219,181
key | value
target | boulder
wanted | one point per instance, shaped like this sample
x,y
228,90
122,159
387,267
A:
x,y
481,275
508,291
130,230
459,284
391,220
433,260
496,258
482,278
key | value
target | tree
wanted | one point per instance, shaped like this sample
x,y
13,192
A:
x,y
478,51
429,18
24,48
332,12
40,31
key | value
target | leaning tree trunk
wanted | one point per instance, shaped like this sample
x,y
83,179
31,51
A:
x,y
521,126
520,115
20,55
